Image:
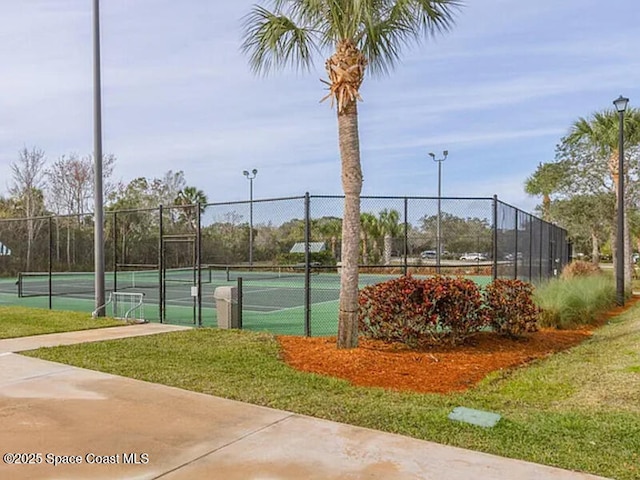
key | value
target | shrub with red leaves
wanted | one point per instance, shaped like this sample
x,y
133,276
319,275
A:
x,y
458,306
417,312
510,307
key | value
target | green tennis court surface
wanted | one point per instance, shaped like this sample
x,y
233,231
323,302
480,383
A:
x,y
272,303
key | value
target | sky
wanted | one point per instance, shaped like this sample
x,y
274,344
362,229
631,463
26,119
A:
x,y
498,92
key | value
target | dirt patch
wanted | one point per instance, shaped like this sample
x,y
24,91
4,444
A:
x,y
436,370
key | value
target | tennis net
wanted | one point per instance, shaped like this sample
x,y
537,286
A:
x,y
33,284
231,273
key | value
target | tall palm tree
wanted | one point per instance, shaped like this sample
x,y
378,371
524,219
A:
x,y
601,132
390,227
189,197
545,181
330,229
361,34
369,232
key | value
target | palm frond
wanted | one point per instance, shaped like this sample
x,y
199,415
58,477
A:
x,y
293,30
390,26
273,41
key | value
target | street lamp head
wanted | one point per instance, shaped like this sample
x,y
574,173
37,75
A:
x,y
444,153
621,103
252,175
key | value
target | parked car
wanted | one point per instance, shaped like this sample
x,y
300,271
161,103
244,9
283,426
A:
x,y
474,256
429,254
509,256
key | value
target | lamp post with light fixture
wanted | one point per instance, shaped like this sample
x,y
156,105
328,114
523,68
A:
x,y
98,213
250,177
621,106
439,226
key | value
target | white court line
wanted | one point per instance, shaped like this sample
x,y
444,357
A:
x,y
301,306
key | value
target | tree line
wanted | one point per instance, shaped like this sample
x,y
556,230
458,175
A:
x,y
64,189
578,188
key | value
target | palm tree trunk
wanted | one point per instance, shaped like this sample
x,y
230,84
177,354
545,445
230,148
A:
x,y
628,264
388,246
595,249
546,207
365,251
352,186
626,254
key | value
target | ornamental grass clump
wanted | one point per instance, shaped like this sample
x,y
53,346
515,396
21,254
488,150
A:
x,y
580,268
571,302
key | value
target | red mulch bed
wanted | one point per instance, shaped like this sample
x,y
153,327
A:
x,y
434,370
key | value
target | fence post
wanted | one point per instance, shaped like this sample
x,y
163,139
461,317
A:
x,y
515,258
531,222
406,236
50,264
540,252
307,265
115,251
495,237
160,266
239,304
199,263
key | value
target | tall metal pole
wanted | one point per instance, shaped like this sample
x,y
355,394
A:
x,y
97,152
250,177
251,221
621,105
439,222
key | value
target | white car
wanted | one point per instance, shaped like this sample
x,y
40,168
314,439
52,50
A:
x,y
473,257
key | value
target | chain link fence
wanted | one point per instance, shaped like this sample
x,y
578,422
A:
x,y
283,253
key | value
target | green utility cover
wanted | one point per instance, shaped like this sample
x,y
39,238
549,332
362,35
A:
x,y
474,417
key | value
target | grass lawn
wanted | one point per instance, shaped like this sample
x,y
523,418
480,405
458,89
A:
x,y
23,322
578,410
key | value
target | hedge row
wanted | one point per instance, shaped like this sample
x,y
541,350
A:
x,y
444,309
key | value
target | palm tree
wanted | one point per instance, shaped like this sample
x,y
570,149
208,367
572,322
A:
x,y
361,34
390,226
189,197
545,181
601,132
368,231
329,229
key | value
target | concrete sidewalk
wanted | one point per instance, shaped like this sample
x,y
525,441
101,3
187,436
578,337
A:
x,y
116,427
22,344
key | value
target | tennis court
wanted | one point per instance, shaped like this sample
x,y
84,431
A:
x,y
273,299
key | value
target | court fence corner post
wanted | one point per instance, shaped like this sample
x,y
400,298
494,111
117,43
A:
x,y
160,266
50,261
307,265
405,243
199,260
239,304
494,248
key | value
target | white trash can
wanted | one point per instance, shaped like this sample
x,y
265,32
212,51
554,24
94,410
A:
x,y
227,306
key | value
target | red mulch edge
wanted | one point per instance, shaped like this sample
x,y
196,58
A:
x,y
435,370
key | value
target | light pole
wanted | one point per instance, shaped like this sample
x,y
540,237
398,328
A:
x,y
98,216
250,177
438,238
621,105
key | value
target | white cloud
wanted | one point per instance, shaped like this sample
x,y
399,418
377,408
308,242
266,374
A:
x,y
497,92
